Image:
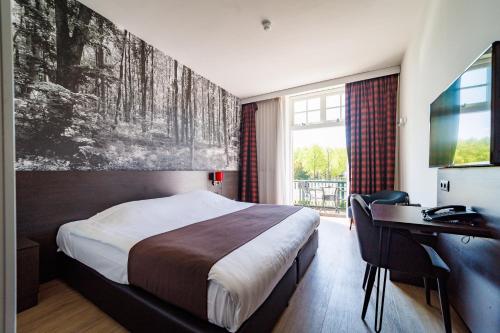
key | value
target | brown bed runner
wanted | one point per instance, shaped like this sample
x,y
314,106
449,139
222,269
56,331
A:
x,y
174,265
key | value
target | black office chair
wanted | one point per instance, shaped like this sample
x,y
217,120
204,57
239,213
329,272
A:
x,y
403,254
385,197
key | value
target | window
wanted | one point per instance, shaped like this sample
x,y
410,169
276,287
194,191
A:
x,y
307,111
319,108
335,107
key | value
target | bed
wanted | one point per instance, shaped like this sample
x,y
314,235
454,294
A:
x,y
247,289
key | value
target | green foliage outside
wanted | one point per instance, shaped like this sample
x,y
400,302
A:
x,y
472,151
316,162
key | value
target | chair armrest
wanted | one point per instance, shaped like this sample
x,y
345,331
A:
x,y
386,202
367,198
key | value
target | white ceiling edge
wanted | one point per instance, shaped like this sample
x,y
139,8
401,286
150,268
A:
x,y
310,41
324,84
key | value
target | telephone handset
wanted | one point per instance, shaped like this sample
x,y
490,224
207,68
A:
x,y
449,208
451,214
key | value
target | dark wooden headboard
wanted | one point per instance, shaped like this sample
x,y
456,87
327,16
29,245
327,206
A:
x,y
48,199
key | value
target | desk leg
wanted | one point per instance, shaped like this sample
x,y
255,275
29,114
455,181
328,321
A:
x,y
384,257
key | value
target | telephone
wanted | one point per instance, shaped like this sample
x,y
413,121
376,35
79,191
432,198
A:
x,y
451,214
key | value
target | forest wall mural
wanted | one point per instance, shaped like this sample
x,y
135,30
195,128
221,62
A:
x,y
91,96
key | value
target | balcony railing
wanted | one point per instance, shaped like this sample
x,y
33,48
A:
x,y
330,194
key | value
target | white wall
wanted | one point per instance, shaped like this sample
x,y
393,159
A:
x,y
453,33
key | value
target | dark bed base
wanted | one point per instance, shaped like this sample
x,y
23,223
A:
x,y
139,311
306,255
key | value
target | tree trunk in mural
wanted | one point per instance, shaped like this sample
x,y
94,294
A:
x,y
176,103
119,97
90,96
125,90
218,119
187,104
70,48
102,106
144,85
193,117
166,100
182,124
152,87
224,122
35,48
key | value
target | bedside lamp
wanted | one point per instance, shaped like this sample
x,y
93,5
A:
x,y
216,177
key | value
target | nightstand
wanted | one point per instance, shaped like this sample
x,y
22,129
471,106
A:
x,y
27,273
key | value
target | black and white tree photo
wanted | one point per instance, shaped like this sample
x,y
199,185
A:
x,y
91,96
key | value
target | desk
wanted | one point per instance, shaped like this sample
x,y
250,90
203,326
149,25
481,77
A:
x,y
410,218
389,217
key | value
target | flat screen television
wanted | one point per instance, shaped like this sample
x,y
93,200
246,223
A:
x,y
465,118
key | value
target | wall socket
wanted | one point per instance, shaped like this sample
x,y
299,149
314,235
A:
x,y
445,185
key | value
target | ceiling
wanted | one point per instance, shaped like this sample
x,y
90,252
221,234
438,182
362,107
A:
x,y
310,40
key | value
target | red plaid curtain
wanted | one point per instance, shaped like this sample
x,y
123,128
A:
x,y
249,190
371,133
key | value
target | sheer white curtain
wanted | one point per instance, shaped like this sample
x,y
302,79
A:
x,y
284,171
273,152
266,125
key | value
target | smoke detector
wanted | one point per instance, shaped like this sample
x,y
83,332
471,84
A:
x,y
266,24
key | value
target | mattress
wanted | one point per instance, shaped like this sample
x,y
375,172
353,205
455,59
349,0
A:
x,y
238,283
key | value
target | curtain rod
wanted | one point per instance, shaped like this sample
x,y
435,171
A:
x,y
323,84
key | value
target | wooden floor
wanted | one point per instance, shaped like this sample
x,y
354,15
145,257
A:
x,y
328,299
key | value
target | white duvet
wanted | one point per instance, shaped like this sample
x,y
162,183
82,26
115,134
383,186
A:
x,y
238,283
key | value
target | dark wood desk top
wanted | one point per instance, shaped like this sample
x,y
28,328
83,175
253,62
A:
x,y
410,218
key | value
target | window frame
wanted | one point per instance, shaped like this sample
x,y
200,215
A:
x,y
322,96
